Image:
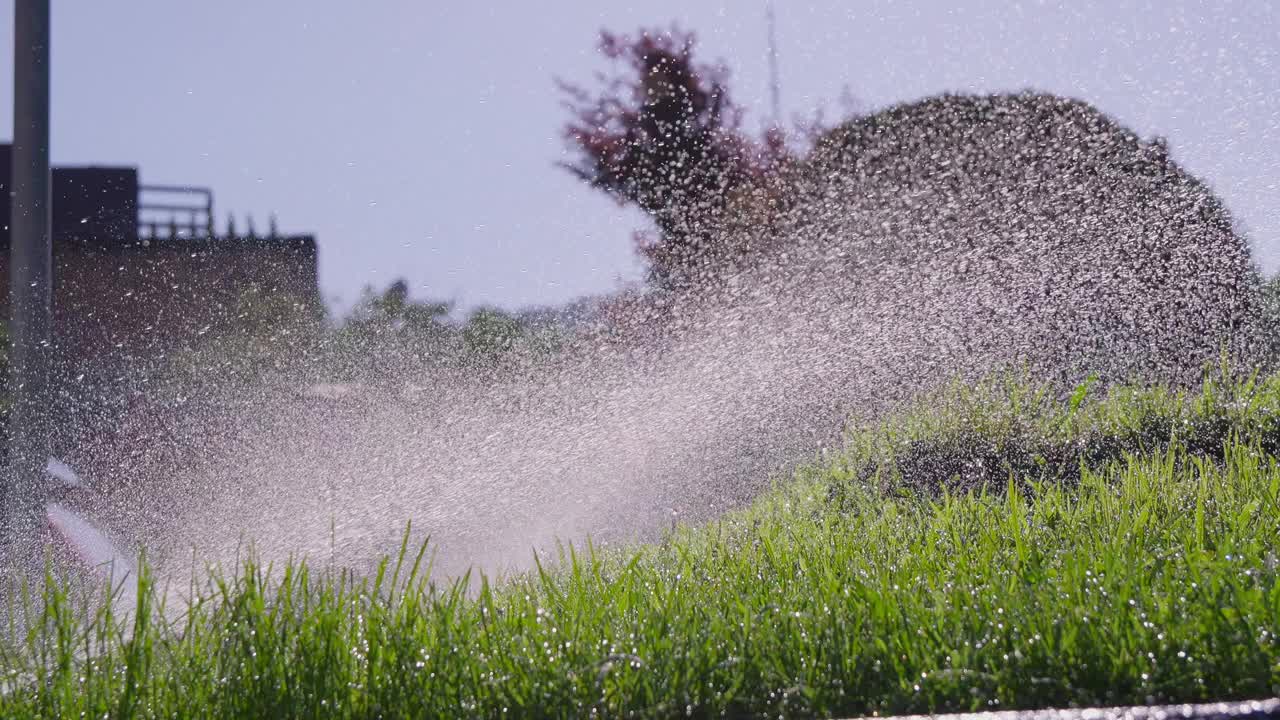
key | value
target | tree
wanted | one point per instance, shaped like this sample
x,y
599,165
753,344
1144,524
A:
x,y
663,134
394,310
490,332
387,331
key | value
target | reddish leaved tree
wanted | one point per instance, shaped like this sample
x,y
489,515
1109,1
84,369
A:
x,y
662,133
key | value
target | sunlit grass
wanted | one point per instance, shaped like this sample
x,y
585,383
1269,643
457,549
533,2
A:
x,y
1150,576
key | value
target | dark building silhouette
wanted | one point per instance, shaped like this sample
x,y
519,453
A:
x,y
140,271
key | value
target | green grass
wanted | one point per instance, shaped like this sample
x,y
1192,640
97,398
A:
x,y
876,580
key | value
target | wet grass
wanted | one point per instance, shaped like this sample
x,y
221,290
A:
x,y
1136,565
969,438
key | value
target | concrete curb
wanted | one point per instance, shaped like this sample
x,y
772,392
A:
x,y
1246,710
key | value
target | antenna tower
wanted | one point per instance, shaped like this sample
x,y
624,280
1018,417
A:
x,y
775,92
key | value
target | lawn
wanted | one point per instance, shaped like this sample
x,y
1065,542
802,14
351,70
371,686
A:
x,y
998,547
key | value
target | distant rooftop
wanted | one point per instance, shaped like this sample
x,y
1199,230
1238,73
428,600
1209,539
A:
x,y
107,207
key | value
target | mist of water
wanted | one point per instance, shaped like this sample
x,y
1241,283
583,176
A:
x,y
943,239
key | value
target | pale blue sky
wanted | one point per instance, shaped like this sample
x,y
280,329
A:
x,y
418,139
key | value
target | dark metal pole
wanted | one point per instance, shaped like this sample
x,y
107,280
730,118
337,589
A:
x,y
30,279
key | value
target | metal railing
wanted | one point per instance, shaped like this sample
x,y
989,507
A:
x,y
181,211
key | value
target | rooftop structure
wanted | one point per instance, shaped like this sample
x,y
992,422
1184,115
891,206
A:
x,y
141,269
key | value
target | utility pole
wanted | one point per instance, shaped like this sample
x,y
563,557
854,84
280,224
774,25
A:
x,y
775,90
30,284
